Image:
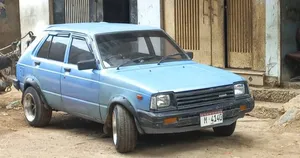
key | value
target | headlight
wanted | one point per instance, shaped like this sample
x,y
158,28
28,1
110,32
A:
x,y
160,101
239,89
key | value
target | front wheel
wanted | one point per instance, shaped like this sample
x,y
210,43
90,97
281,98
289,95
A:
x,y
225,131
124,130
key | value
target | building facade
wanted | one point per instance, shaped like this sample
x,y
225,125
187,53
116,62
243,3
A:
x,y
248,37
38,14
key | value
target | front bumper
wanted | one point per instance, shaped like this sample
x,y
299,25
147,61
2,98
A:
x,y
189,120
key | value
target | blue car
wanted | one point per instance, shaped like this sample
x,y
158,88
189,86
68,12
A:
x,y
133,79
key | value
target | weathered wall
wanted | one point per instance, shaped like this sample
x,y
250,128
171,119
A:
x,y
9,21
58,11
96,11
272,38
133,11
290,21
149,12
34,16
259,34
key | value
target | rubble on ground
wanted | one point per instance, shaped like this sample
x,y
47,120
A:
x,y
291,118
267,110
4,114
13,105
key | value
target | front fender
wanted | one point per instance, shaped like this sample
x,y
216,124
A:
x,y
123,101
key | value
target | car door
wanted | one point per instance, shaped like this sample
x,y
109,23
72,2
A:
x,y
48,66
80,88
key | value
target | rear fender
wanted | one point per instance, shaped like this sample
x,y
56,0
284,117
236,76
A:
x,y
32,82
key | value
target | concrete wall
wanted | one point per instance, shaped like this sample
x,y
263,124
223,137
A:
x,y
149,12
273,38
34,16
290,21
133,11
9,22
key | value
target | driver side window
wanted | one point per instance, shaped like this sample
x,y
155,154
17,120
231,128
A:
x,y
79,51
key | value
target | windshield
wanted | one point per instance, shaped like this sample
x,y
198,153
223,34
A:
x,y
149,46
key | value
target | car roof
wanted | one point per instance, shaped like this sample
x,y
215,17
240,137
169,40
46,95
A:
x,y
98,28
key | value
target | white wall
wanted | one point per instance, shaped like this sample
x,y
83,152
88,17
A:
x,y
149,12
34,16
273,38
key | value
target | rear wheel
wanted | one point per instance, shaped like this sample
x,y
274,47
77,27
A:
x,y
35,112
124,130
225,131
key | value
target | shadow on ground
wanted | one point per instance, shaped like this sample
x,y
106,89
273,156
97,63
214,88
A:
x,y
163,145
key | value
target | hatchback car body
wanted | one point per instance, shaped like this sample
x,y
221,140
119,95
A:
x,y
133,79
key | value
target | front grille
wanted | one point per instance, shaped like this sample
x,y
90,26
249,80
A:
x,y
204,97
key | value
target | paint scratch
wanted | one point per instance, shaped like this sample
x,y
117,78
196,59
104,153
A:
x,y
271,65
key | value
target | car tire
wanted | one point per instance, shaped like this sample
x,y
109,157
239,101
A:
x,y
35,112
225,131
124,130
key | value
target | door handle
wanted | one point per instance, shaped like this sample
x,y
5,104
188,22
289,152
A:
x,y
67,69
37,63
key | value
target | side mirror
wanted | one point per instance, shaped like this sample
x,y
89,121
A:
x,y
87,64
190,54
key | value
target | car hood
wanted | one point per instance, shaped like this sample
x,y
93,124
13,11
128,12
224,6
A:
x,y
176,77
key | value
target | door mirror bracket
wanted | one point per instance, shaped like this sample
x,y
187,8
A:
x,y
190,54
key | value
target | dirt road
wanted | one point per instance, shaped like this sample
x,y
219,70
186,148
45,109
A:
x,y
68,136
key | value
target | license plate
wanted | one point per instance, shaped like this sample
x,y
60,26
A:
x,y
211,118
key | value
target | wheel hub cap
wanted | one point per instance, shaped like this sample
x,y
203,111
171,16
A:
x,y
29,107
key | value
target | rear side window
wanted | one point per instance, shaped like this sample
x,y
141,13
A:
x,y
58,48
43,53
79,51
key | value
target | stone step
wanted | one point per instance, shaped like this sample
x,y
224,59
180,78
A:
x,y
255,78
275,95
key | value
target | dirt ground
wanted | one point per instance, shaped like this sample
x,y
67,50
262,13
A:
x,y
67,136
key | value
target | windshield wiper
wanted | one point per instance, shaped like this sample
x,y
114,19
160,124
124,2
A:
x,y
167,57
136,59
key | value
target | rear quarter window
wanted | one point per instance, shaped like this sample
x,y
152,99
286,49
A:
x,y
43,52
58,48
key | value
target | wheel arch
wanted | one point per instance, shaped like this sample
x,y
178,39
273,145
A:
x,y
31,82
124,102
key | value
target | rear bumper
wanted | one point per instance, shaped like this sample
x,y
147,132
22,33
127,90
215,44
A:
x,y
189,120
16,84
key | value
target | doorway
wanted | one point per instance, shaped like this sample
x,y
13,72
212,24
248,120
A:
x,y
239,32
198,26
116,11
219,32
290,40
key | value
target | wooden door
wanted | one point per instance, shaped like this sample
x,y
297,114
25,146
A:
x,y
198,26
240,33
